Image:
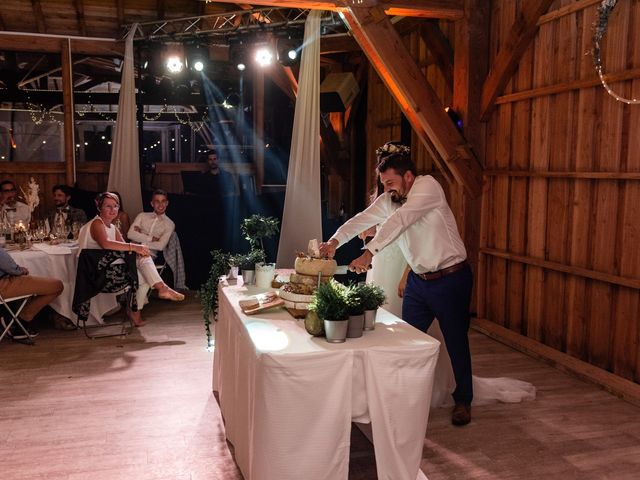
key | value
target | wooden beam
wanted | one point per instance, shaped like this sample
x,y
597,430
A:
x,y
69,109
418,101
469,69
625,75
283,78
24,42
446,9
439,47
561,267
506,62
38,15
338,44
82,26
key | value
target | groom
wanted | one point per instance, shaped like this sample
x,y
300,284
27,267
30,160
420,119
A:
x,y
414,210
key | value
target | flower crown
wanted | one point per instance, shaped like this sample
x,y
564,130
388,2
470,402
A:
x,y
392,148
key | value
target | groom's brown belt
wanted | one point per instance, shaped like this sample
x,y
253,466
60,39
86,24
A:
x,y
443,272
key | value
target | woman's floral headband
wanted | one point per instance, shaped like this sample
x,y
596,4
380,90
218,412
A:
x,y
392,148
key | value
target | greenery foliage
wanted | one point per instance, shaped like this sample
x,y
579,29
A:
x,y
330,301
247,261
355,298
258,227
208,292
372,296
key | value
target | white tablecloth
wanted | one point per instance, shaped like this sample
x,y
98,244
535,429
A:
x,y
61,263
288,399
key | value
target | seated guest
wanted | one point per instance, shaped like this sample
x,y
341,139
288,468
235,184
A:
x,y
102,233
122,221
64,213
11,207
15,281
153,229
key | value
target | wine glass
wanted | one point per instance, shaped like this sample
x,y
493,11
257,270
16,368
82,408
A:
x,y
75,229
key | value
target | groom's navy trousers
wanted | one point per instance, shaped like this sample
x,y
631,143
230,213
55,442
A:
x,y
447,299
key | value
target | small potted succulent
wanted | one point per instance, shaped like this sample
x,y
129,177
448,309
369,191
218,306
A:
x,y
354,294
373,297
330,304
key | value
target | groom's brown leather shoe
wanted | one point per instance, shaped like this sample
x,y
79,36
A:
x,y
461,414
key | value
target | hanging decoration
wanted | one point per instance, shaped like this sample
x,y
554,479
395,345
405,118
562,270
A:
x,y
600,28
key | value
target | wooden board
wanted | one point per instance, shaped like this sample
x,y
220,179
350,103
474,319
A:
x,y
297,313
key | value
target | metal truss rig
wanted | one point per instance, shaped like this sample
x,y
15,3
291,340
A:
x,y
226,23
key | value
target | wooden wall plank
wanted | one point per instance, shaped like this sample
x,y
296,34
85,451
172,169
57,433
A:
x,y
606,206
578,289
541,113
626,328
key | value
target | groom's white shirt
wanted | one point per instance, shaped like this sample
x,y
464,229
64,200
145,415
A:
x,y
424,226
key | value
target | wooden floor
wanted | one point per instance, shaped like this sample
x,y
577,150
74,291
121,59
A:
x,y
142,408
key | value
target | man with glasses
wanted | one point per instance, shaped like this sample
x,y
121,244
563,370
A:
x,y
13,210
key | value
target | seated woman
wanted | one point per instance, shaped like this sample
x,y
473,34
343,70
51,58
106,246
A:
x,y
102,233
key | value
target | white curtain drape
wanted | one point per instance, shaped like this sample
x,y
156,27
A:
x,y
124,172
301,220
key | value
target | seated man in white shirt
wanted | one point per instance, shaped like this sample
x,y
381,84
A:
x,y
152,229
14,210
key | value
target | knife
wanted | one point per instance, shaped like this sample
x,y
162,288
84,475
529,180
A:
x,y
344,269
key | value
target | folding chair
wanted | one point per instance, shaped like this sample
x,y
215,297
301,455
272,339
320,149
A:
x,y
94,266
125,323
15,314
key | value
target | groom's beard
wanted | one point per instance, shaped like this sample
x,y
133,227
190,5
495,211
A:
x,y
399,196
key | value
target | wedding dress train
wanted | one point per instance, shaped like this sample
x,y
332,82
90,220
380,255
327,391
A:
x,y
386,271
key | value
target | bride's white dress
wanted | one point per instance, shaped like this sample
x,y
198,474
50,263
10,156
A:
x,y
386,271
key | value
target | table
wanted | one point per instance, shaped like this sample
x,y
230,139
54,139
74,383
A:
x,y
62,263
288,399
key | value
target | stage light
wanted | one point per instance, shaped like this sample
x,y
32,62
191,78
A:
x,y
174,65
289,50
198,65
241,66
263,56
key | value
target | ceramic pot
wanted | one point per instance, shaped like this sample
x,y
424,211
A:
x,y
265,273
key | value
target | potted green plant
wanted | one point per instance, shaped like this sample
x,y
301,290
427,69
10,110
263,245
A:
x,y
373,297
258,227
255,229
247,263
330,304
354,295
208,292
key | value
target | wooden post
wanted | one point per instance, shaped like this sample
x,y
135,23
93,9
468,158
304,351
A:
x,y
469,68
67,97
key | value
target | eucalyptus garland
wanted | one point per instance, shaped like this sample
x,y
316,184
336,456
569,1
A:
x,y
600,28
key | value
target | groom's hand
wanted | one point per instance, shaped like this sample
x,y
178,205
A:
x,y
328,249
362,263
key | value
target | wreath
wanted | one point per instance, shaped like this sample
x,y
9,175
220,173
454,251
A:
x,y
600,28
